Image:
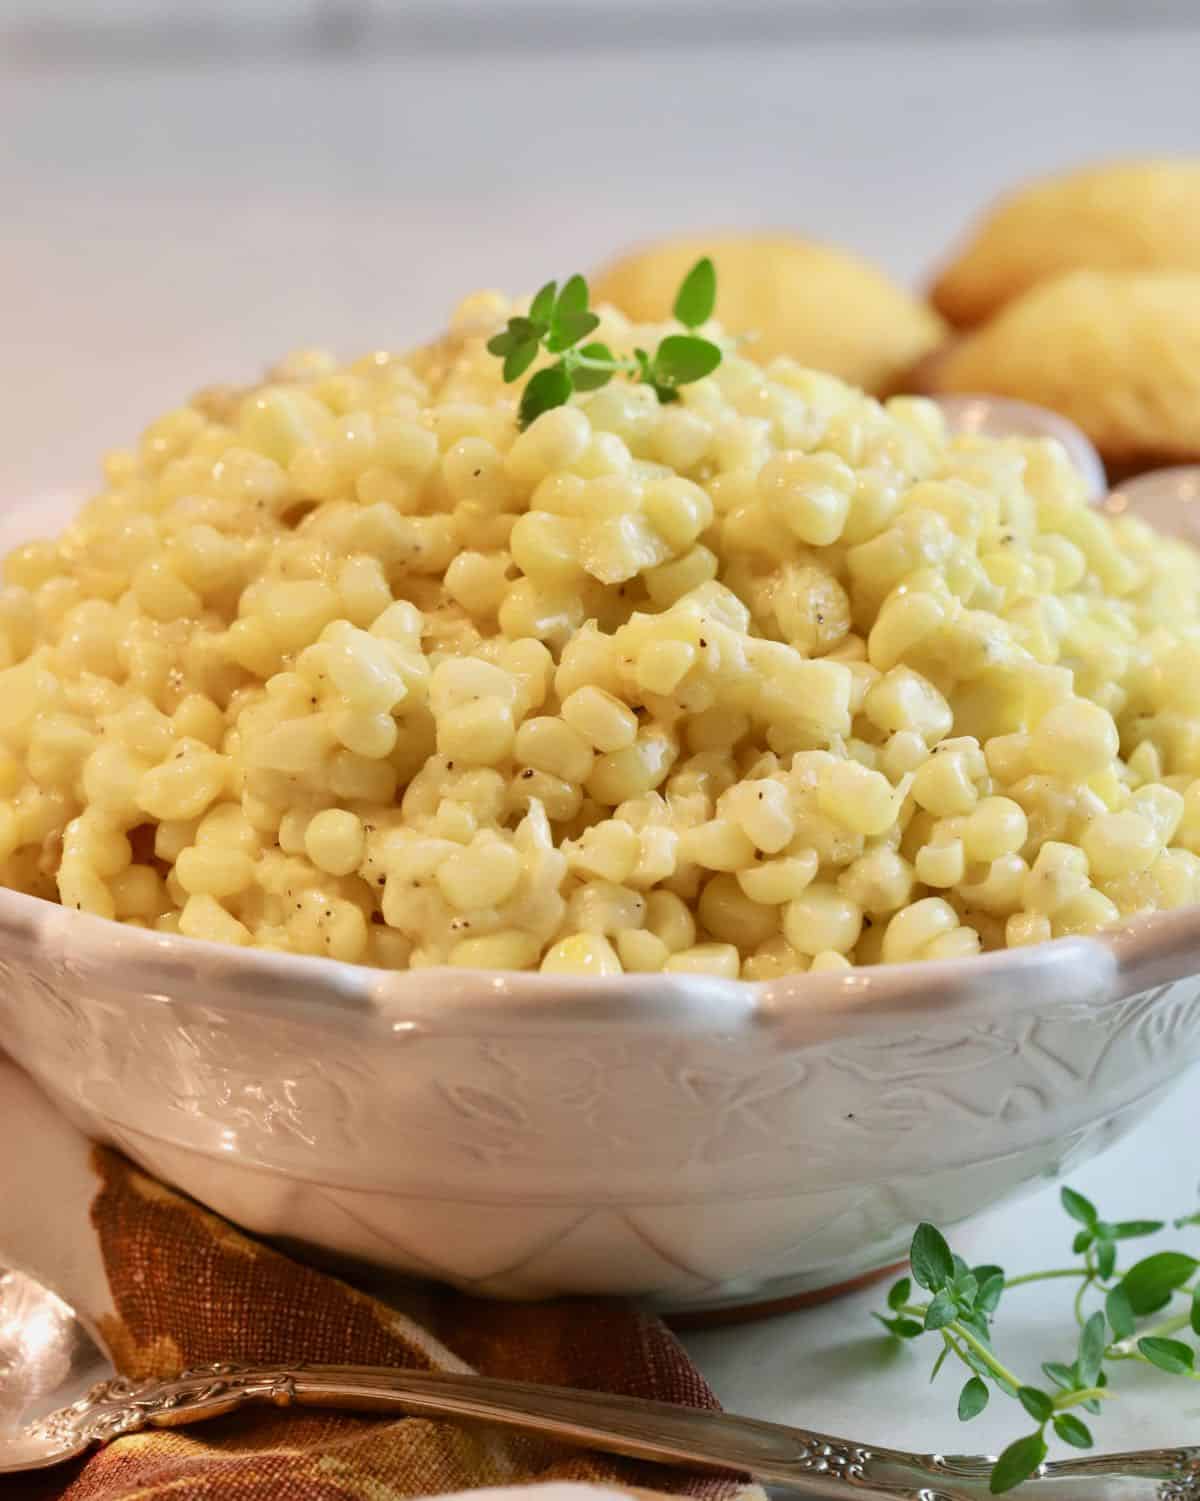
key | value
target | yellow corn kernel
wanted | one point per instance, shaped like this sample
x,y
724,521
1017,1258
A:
x,y
605,907
478,581
762,810
510,949
204,917
601,719
1086,913
999,892
1115,843
335,841
915,927
717,959
549,744
634,771
944,784
941,865
1162,807
902,700
809,493
728,914
820,918
902,754
641,952
856,798
476,734
960,943
204,870
372,735
670,920
829,961
556,440
718,844
772,960
484,874
1058,875
185,785
879,881
609,851
663,665
1024,928
678,510
995,826
772,882
1074,740
582,954
138,893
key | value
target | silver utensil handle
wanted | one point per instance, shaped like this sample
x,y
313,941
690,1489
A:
x,y
812,1463
659,1431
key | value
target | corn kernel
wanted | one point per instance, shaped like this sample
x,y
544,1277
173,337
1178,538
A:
x,y
820,918
717,959
582,954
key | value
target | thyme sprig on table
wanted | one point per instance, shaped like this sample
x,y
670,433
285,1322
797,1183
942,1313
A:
x,y
964,1301
559,320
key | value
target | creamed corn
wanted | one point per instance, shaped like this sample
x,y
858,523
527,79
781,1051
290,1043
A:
x,y
770,679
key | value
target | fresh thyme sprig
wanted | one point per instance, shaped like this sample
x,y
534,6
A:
x,y
559,320
963,1305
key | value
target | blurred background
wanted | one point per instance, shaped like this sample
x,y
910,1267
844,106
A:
x,y
189,190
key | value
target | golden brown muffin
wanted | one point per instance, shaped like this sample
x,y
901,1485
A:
x,y
821,306
1134,215
1118,352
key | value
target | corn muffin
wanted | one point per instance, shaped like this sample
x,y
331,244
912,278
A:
x,y
821,306
1134,215
1117,352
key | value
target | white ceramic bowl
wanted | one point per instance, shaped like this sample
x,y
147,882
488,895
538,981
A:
x,y
697,1142
1167,499
700,1143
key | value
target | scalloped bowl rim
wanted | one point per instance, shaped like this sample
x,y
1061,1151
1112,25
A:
x,y
1059,974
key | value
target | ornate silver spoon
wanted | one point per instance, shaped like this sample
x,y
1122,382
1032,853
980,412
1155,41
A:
x,y
59,1395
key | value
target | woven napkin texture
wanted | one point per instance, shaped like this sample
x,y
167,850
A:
x,y
189,1289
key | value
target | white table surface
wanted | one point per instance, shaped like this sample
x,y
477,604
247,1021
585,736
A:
x,y
833,1368
164,226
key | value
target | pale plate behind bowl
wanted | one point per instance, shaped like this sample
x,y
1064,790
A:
x,y
699,1143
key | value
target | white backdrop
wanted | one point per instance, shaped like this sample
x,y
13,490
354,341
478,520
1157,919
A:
x,y
167,221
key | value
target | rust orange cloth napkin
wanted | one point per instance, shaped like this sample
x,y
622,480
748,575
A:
x,y
170,1286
